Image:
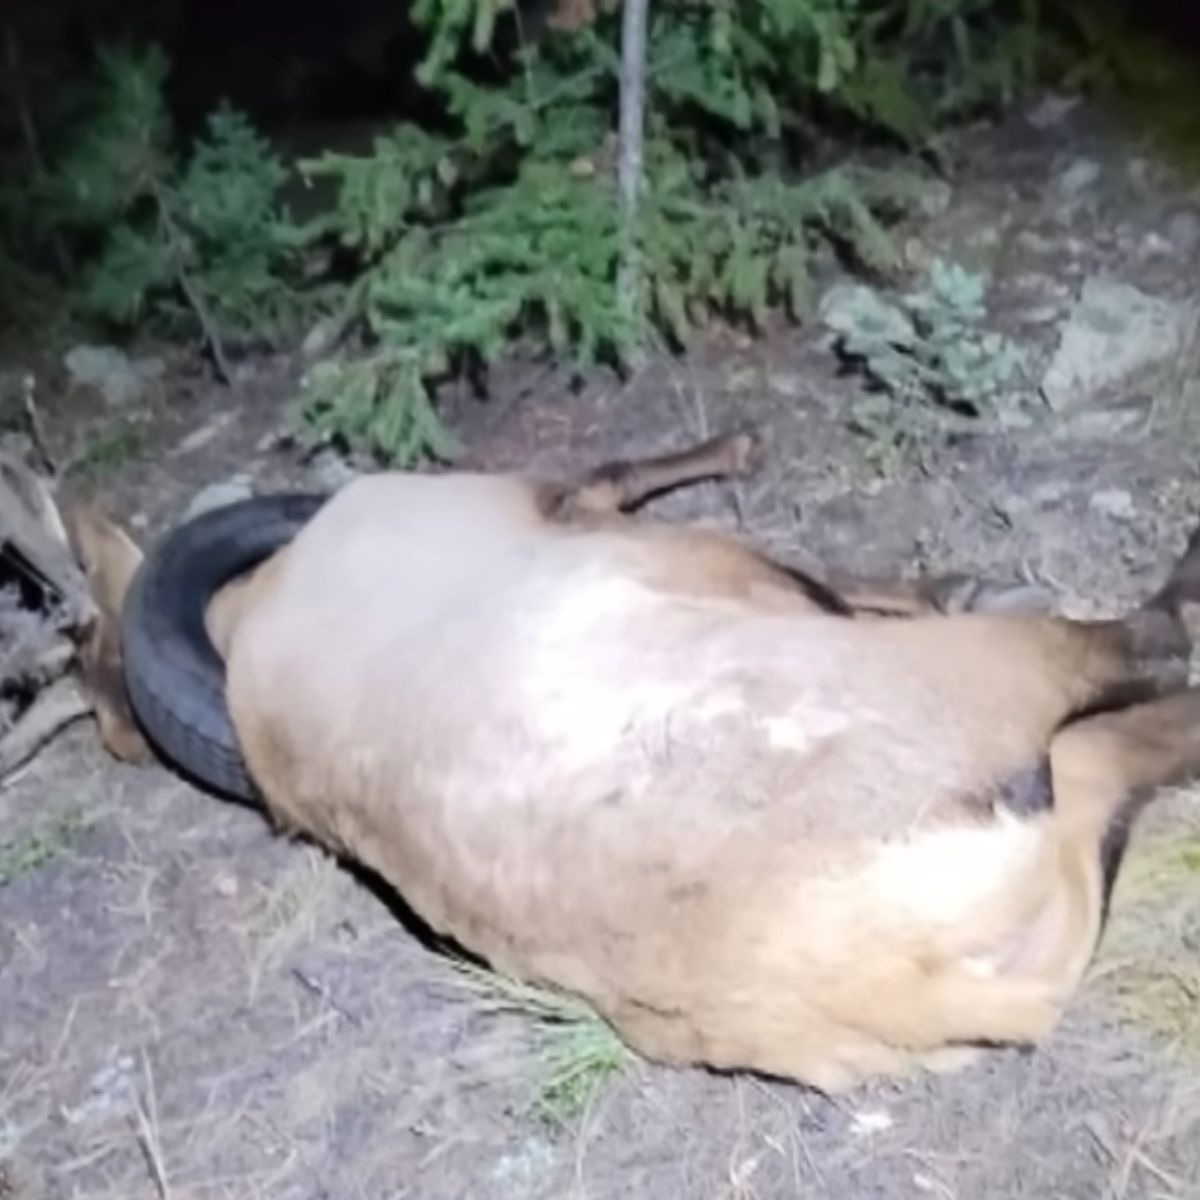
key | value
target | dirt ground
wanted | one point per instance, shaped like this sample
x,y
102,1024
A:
x,y
193,1008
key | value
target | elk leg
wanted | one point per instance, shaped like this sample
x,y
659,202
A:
x,y
1105,769
1108,665
619,485
1156,637
1108,767
937,595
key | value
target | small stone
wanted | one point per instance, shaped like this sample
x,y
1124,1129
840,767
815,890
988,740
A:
x,y
787,384
108,370
1114,333
934,199
1081,175
1051,492
1138,170
219,495
1117,420
1183,232
876,1121
1050,111
330,472
226,886
1154,245
151,367
272,440
1034,242
1114,503
1040,314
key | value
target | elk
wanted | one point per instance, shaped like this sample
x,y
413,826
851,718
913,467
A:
x,y
824,830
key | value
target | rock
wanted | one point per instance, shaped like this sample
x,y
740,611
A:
x,y
1139,172
1081,175
1035,243
226,886
111,372
330,472
218,495
871,1122
112,1090
1114,503
1050,112
152,367
1040,314
934,198
1052,492
1183,232
787,383
1109,423
1154,245
1115,332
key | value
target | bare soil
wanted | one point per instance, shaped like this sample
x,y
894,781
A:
x,y
192,1007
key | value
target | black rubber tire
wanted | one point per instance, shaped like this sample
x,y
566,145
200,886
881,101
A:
x,y
173,674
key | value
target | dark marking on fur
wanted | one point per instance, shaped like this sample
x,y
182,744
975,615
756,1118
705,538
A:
x,y
820,594
1114,844
1026,792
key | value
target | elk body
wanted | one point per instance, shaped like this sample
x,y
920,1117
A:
x,y
752,820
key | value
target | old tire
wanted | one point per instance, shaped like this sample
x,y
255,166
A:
x,y
174,676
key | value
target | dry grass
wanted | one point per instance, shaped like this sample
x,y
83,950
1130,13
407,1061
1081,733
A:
x,y
574,1051
291,911
1149,964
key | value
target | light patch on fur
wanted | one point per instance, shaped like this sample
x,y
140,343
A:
x,y
979,965
799,731
587,704
941,877
584,704
726,703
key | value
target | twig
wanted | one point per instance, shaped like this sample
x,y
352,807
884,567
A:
x,y
212,335
32,538
37,432
147,1133
319,990
59,705
325,335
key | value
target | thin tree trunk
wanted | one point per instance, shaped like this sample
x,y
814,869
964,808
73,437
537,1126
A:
x,y
629,155
29,131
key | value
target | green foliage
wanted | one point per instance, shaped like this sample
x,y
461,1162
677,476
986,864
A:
x,y
931,348
538,256
380,400
575,1052
121,150
22,855
502,223
156,235
506,225
745,246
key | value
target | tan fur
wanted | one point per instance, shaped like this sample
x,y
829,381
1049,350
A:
x,y
109,558
638,762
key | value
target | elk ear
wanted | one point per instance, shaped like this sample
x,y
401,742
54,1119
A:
x,y
108,558
107,555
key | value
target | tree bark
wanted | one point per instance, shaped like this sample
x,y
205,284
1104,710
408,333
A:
x,y
629,155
